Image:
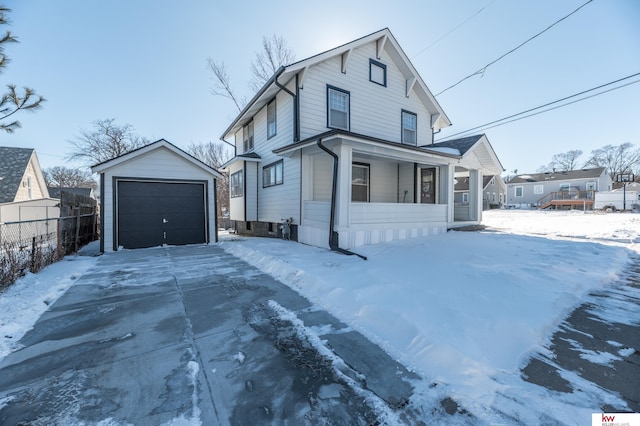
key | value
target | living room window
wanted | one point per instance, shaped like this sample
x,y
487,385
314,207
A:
x,y
337,108
272,174
409,127
236,184
271,119
377,72
519,191
247,137
360,182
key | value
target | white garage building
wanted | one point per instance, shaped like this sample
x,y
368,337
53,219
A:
x,y
156,195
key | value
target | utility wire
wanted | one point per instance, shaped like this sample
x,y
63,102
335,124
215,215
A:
x,y
483,69
453,29
512,118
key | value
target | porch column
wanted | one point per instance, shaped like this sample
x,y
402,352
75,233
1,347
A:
x,y
343,197
447,187
475,194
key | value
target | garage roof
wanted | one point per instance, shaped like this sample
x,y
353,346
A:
x,y
160,144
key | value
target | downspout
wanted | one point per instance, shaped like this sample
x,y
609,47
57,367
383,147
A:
x,y
333,236
296,121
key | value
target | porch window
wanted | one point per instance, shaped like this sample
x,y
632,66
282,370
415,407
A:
x,y
409,127
377,72
272,174
519,191
271,119
360,182
247,137
337,108
236,185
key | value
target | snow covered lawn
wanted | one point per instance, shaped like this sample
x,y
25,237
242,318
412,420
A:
x,y
462,308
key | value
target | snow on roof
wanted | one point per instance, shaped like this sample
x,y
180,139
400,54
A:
x,y
445,150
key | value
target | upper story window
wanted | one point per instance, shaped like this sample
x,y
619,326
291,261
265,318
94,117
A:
x,y
271,119
272,174
337,108
236,184
409,128
377,72
247,137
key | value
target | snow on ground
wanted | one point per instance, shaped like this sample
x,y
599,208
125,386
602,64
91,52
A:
x,y
464,309
30,296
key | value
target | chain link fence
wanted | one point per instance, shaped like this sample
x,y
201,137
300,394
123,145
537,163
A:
x,y
31,245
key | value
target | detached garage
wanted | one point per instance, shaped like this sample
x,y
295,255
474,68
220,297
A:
x,y
156,195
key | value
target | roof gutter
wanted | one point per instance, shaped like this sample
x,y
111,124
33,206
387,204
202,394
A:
x,y
333,236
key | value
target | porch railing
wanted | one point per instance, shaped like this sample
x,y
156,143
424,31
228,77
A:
x,y
565,196
382,213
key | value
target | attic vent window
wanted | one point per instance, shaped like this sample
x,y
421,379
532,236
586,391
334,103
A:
x,y
377,72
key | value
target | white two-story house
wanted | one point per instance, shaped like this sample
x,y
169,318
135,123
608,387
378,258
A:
x,y
343,144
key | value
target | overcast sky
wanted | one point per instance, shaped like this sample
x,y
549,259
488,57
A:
x,y
143,62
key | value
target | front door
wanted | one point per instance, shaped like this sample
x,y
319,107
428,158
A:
x,y
428,186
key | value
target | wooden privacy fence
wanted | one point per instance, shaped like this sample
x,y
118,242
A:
x,y
33,244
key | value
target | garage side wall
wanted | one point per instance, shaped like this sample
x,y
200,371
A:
x,y
161,164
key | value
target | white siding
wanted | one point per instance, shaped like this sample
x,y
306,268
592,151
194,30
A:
x,y
22,194
236,204
322,177
278,201
407,183
251,171
375,110
160,163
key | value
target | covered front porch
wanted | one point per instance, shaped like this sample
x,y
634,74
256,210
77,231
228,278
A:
x,y
378,192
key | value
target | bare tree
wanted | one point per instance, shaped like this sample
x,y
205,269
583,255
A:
x,y
622,158
566,161
222,86
68,177
12,101
108,140
275,53
215,154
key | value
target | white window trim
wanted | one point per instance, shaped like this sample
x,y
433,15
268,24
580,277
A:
x,y
521,188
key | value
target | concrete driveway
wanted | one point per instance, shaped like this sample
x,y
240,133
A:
x,y
182,335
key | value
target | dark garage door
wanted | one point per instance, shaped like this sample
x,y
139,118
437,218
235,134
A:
x,y
156,213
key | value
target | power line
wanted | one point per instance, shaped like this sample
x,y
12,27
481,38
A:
x,y
453,29
483,69
511,118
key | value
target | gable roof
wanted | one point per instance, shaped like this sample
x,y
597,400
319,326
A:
x,y
159,144
558,176
477,146
384,40
13,164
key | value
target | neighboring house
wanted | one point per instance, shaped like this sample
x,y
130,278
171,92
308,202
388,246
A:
x,y
494,192
156,195
343,144
23,192
575,188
